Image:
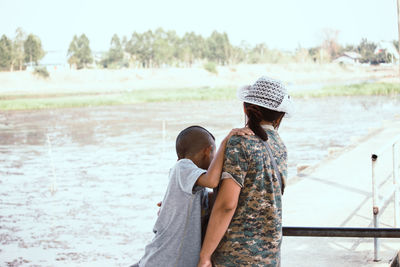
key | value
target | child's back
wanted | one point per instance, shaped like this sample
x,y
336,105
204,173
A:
x,y
178,228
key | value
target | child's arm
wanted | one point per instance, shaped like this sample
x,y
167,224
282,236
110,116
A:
x,y
212,176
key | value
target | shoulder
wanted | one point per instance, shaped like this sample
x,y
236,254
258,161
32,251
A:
x,y
185,166
185,163
242,146
277,142
243,140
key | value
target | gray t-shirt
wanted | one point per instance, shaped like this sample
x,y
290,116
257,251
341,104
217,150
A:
x,y
177,239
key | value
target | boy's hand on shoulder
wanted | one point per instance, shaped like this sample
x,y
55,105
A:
x,y
240,131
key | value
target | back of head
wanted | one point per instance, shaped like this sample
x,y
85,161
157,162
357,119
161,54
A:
x,y
192,140
266,100
257,114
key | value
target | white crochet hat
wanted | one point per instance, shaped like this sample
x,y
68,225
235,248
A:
x,y
267,93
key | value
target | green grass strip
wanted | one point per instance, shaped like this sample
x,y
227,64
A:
x,y
70,100
24,102
362,89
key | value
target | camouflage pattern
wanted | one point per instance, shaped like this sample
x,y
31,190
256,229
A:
x,y
254,235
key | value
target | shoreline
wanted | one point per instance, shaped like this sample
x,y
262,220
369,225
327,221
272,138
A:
x,y
91,99
102,87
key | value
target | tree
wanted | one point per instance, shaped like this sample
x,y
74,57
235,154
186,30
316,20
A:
x,y
302,55
140,47
314,53
330,42
147,50
192,48
238,55
33,49
115,54
258,54
124,42
79,52
132,46
73,52
18,48
5,53
163,51
219,48
366,50
396,45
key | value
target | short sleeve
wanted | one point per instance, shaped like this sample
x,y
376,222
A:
x,y
235,161
187,176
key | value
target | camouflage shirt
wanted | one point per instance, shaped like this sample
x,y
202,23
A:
x,y
254,235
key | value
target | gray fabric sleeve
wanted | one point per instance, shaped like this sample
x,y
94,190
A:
x,y
188,175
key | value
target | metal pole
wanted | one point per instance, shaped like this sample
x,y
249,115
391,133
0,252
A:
x,y
164,131
164,135
396,186
375,208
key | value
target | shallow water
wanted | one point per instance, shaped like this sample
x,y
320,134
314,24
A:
x,y
79,186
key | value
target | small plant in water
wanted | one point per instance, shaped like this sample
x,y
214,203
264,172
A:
x,y
211,67
41,72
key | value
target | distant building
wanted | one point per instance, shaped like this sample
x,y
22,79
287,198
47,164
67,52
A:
x,y
98,56
54,60
350,58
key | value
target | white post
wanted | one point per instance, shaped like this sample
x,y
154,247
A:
x,y
164,135
396,186
53,185
375,208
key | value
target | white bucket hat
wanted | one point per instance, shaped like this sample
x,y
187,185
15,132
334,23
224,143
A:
x,y
267,93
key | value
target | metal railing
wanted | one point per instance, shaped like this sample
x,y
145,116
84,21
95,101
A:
x,y
341,232
379,203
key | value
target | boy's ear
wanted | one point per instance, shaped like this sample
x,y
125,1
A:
x,y
208,150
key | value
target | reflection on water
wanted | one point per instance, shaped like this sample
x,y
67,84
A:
x,y
111,165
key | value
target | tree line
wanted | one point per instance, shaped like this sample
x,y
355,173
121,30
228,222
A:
x,y
23,49
160,48
165,48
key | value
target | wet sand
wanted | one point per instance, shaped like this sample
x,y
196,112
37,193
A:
x,y
79,187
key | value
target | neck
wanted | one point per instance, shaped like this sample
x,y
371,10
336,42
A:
x,y
196,159
265,123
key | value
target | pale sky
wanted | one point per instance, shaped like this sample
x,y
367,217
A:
x,y
283,24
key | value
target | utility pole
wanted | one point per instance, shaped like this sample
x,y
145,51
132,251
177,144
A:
x,y
398,24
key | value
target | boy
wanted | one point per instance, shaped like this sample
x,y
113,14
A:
x,y
177,240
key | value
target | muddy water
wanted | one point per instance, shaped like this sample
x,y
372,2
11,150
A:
x,y
78,187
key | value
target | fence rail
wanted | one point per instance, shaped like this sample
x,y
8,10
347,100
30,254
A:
x,y
341,232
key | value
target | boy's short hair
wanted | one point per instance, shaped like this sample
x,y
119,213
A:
x,y
191,140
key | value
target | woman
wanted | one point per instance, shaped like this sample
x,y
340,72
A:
x,y
245,227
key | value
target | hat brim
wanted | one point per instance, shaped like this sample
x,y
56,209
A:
x,y
286,106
